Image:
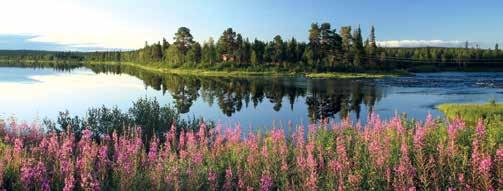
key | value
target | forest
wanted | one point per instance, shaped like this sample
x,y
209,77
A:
x,y
327,50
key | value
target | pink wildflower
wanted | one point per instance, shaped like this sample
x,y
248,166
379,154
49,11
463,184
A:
x,y
404,171
228,179
419,137
212,178
265,182
481,131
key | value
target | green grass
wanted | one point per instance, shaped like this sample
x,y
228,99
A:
x,y
355,75
195,72
244,73
473,112
491,113
236,72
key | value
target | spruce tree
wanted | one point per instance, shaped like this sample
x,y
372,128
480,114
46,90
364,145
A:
x,y
357,47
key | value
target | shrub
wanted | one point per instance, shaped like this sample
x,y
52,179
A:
x,y
147,113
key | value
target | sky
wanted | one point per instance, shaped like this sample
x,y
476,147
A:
x,y
87,25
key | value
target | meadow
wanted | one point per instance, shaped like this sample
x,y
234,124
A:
x,y
381,155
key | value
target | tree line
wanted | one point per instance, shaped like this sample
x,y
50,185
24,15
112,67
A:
x,y
35,55
327,49
437,58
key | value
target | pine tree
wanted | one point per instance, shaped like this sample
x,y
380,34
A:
x,y
246,48
183,40
259,48
314,42
174,56
156,52
373,43
195,51
165,44
254,60
291,51
346,45
209,53
239,53
326,43
371,48
279,50
358,50
227,43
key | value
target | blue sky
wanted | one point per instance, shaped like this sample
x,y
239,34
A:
x,y
127,24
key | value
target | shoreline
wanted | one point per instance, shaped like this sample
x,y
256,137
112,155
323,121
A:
x,y
217,73
236,72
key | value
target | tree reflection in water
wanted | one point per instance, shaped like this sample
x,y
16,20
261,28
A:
x,y
324,98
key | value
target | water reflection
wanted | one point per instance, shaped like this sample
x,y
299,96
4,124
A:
x,y
324,98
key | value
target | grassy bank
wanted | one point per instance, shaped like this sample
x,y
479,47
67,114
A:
x,y
211,72
472,112
193,72
358,75
237,72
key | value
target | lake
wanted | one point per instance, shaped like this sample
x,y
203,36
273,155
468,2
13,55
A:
x,y
30,94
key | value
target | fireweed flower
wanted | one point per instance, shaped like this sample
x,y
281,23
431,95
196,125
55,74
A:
x,y
2,171
228,185
394,157
484,173
103,162
499,163
485,166
480,129
499,155
404,171
265,152
66,161
212,179
41,176
86,162
396,122
27,173
429,123
265,182
241,178
341,153
419,137
53,145
18,147
152,153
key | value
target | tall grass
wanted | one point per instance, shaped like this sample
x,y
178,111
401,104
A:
x,y
472,112
389,155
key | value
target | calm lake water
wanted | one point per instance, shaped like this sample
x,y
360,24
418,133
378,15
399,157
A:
x,y
37,93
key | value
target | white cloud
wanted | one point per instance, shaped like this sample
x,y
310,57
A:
x,y
422,43
71,23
